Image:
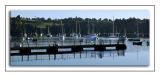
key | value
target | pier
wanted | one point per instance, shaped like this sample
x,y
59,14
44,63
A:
x,y
54,49
75,46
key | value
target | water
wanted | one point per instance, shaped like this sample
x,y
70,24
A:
x,y
133,56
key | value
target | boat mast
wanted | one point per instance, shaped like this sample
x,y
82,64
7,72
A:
x,y
92,28
88,27
48,30
125,32
137,29
79,27
113,27
76,24
62,27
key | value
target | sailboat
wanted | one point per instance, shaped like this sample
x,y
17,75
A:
x,y
77,34
62,35
124,36
49,34
113,36
92,38
35,38
137,40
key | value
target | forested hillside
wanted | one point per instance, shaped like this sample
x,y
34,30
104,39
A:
x,y
103,27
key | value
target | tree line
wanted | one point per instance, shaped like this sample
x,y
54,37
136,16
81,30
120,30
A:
x,y
103,27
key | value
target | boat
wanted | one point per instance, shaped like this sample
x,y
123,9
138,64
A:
x,y
137,40
76,35
113,37
133,39
62,35
147,43
91,37
49,34
137,43
122,38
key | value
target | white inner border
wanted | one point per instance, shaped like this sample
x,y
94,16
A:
x,y
32,68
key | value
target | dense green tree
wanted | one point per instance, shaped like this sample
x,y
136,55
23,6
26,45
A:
x,y
103,27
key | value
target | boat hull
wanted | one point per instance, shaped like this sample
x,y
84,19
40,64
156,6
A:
x,y
137,43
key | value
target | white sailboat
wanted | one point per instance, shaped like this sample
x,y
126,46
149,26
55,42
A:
x,y
49,34
62,35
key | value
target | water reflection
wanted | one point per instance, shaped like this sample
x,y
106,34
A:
x,y
133,55
100,55
74,55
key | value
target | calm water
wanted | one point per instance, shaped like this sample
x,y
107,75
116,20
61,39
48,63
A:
x,y
133,56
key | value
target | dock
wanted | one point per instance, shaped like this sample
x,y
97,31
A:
x,y
54,49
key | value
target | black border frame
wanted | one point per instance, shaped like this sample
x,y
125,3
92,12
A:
x,y
71,66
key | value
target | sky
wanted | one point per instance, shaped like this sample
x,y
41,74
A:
x,y
60,14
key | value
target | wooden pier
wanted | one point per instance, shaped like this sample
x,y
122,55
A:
x,y
54,49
